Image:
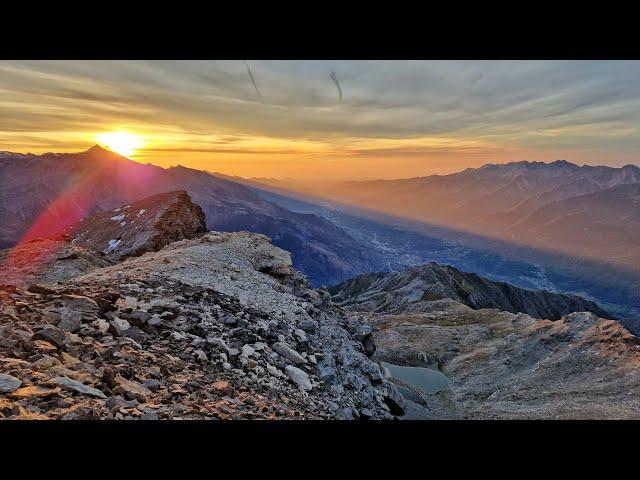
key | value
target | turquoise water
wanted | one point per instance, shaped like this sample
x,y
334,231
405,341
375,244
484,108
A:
x,y
426,379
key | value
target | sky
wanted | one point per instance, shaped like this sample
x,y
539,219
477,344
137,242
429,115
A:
x,y
291,119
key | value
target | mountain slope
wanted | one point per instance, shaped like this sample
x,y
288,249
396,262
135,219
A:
x,y
102,239
605,223
413,289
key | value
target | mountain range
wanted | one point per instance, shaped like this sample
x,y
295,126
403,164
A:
x,y
588,211
43,193
556,226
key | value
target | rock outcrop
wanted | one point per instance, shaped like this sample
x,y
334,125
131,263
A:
x,y
511,366
102,239
413,289
144,226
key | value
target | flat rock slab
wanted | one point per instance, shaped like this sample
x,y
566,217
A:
x,y
35,391
9,383
73,385
289,353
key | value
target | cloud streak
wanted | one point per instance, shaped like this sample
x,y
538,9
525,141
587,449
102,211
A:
x,y
253,80
337,83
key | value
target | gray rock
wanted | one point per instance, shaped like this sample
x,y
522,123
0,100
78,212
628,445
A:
x,y
51,334
101,325
70,324
289,353
230,321
73,385
9,383
137,317
300,335
118,402
308,325
248,350
217,342
242,323
73,310
119,326
152,384
298,377
150,415
200,355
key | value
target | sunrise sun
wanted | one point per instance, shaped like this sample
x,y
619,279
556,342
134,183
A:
x,y
124,143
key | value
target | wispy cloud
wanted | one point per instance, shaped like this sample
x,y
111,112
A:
x,y
500,106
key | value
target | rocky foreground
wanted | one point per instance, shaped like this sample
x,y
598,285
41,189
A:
x,y
219,326
511,366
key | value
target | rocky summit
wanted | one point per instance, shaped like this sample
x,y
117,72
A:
x,y
219,326
413,289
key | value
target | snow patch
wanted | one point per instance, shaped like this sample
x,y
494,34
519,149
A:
x,y
113,244
141,211
118,218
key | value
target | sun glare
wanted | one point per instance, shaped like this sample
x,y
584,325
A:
x,y
123,143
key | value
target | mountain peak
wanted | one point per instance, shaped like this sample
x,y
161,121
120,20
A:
x,y
98,149
563,163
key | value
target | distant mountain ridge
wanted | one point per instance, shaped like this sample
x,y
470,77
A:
x,y
549,206
412,290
